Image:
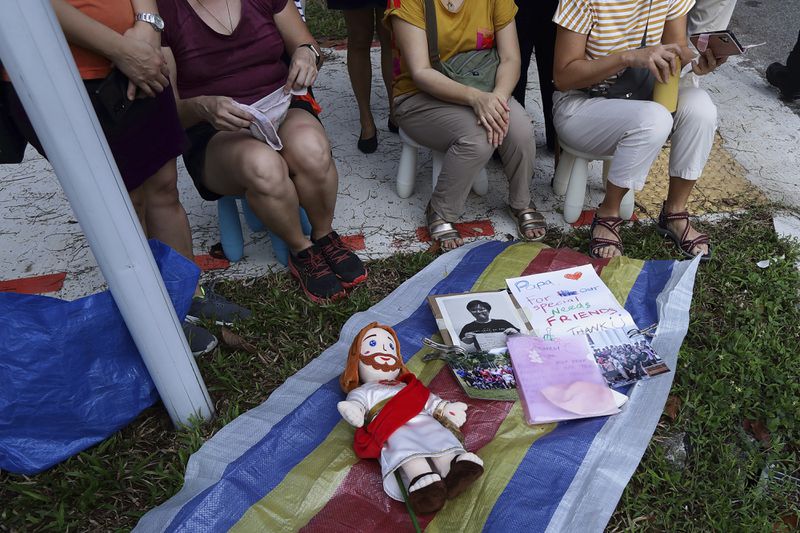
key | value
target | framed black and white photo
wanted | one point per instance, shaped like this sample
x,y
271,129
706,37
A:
x,y
478,321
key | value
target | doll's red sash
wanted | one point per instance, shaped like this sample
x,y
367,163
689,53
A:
x,y
404,406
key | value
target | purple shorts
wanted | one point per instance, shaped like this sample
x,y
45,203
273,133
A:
x,y
149,135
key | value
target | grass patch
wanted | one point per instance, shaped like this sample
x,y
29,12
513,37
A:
x,y
323,23
739,362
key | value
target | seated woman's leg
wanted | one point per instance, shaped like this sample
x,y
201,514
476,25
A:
x,y
517,153
165,216
236,163
633,132
695,124
307,153
453,130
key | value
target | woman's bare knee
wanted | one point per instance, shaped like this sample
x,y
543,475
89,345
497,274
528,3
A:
x,y
266,173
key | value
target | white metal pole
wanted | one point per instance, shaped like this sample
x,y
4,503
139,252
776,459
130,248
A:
x,y
38,61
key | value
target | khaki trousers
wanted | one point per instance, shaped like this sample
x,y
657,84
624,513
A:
x,y
453,130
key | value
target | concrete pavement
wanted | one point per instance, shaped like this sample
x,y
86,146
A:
x,y
40,236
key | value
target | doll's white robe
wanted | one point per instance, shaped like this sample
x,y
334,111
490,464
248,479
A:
x,y
422,436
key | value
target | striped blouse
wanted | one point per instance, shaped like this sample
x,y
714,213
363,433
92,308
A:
x,y
617,25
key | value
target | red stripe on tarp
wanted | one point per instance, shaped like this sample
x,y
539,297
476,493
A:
x,y
208,262
551,259
34,284
354,242
361,493
474,228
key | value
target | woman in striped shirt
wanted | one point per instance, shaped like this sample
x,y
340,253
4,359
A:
x,y
598,39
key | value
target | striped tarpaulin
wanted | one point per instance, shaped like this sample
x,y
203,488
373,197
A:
x,y
288,465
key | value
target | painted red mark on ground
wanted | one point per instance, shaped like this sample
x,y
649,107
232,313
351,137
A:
x,y
354,242
34,284
206,262
474,228
586,218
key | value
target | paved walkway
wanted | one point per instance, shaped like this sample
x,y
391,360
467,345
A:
x,y
40,236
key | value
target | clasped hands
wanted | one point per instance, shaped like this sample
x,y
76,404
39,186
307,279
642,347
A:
x,y
661,60
493,115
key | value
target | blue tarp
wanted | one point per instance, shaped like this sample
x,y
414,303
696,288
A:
x,y
70,374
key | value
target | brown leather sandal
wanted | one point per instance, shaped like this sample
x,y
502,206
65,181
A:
x,y
598,243
528,218
685,245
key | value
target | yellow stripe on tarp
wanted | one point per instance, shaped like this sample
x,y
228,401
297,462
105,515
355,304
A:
x,y
619,275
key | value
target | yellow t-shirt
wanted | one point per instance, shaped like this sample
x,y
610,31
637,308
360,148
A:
x,y
472,27
613,26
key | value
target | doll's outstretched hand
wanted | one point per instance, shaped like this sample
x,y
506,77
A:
x,y
352,412
456,412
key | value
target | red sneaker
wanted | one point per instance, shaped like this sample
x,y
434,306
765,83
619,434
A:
x,y
315,275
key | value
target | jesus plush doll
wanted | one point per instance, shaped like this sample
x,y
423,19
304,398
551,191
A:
x,y
398,422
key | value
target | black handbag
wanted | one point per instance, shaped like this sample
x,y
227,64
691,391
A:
x,y
12,142
634,83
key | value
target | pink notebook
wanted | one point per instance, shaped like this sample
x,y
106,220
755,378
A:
x,y
557,380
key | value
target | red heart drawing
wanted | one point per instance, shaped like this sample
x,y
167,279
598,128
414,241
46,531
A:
x,y
574,276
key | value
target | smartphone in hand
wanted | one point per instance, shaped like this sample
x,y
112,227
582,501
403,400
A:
x,y
721,43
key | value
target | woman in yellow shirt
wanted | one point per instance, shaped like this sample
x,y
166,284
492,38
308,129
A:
x,y
465,123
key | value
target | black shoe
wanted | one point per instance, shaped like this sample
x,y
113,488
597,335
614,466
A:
x,y
780,76
316,278
212,306
394,128
368,146
344,263
201,341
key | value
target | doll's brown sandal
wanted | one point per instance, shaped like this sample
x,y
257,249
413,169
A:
x,y
462,474
429,498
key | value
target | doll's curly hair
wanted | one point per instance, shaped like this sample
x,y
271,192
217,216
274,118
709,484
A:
x,y
349,379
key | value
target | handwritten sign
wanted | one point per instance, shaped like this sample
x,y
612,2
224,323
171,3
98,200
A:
x,y
573,301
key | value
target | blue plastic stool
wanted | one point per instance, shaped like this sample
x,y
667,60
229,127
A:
x,y
230,229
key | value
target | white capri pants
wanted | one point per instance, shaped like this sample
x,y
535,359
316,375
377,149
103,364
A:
x,y
633,131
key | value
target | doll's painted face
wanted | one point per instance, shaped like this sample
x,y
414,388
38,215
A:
x,y
378,356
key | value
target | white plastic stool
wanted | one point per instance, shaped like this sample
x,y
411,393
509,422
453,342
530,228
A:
x,y
407,169
570,180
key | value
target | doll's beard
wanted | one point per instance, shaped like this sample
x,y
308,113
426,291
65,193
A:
x,y
370,360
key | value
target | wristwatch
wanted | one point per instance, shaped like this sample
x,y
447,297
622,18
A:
x,y
151,18
317,55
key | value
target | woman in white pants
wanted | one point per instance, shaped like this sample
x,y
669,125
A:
x,y
596,40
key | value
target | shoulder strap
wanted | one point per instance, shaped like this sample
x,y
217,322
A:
x,y
432,34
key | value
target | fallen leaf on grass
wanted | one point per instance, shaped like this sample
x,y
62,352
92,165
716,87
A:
x,y
236,342
758,430
672,407
788,523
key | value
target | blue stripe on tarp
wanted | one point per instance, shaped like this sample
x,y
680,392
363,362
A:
x,y
535,490
262,467
641,301
552,461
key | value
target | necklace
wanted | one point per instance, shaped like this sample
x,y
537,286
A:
x,y
450,5
228,27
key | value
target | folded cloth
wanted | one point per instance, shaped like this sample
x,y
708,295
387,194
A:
x,y
268,114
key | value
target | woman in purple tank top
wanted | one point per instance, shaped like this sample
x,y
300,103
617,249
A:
x,y
224,54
